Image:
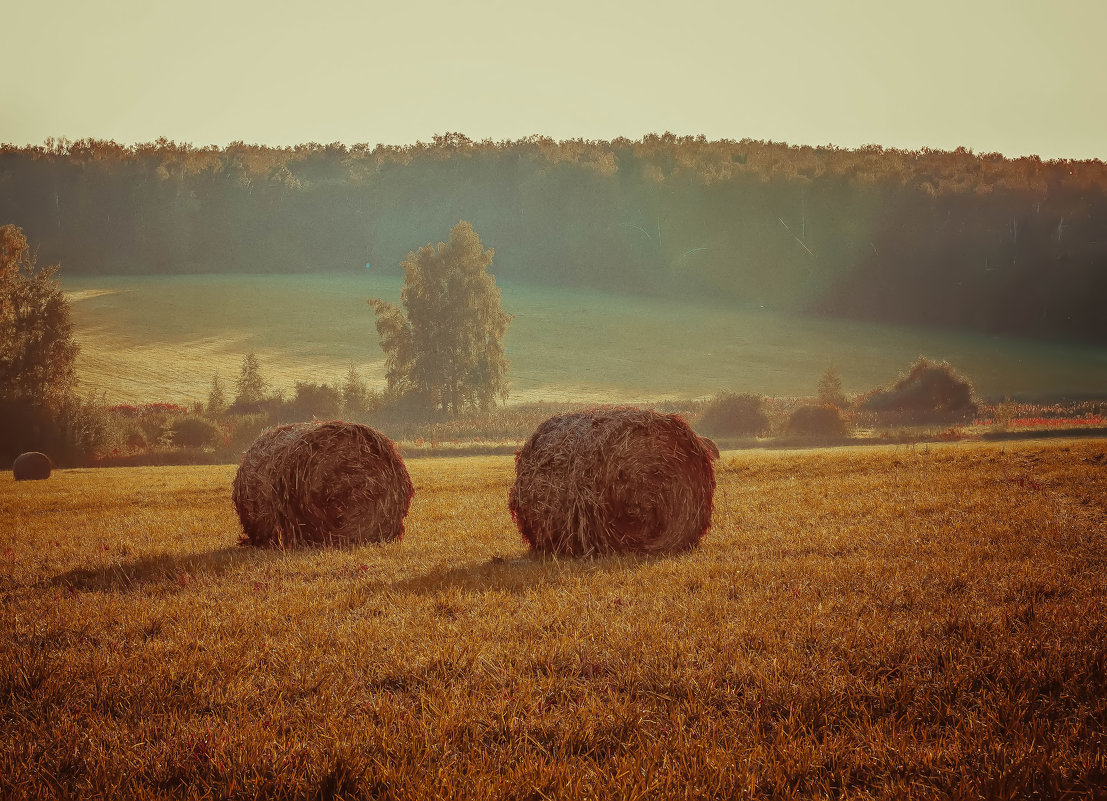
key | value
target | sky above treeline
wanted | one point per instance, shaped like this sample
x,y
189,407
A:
x,y
1017,77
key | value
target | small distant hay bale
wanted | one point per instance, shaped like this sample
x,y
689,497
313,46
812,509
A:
x,y
608,481
32,466
321,484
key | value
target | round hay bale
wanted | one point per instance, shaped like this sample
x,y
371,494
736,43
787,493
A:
x,y
321,484
32,466
619,480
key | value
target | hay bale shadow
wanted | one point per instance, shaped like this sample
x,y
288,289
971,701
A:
x,y
133,574
520,574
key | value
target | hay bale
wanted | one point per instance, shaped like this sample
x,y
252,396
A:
x,y
321,484
32,466
619,480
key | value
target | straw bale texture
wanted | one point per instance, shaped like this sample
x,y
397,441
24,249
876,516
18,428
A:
x,y
619,480
31,466
321,484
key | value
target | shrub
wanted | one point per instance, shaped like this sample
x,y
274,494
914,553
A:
x,y
931,392
144,425
732,415
68,435
241,432
817,421
195,432
318,401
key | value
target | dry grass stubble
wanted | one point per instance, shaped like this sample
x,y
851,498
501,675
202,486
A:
x,y
857,622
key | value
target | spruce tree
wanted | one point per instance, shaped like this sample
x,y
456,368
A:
x,y
217,398
250,386
830,389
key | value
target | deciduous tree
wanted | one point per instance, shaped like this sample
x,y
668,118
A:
x,y
445,347
37,351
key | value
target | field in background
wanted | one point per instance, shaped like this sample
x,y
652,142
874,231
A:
x,y
160,339
923,621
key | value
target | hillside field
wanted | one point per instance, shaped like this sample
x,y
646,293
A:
x,y
925,621
147,339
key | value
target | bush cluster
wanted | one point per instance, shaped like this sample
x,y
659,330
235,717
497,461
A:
x,y
732,415
221,431
930,392
817,420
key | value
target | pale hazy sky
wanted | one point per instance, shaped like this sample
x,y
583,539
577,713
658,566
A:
x,y
1015,77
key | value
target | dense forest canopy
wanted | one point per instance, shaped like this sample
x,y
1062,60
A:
x,y
927,237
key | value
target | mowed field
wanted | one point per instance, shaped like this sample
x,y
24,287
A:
x,y
925,621
149,339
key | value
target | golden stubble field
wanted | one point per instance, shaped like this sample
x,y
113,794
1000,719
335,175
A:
x,y
927,621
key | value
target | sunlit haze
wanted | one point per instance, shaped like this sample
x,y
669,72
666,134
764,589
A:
x,y
1014,77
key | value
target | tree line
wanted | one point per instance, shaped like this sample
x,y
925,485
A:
x,y
945,238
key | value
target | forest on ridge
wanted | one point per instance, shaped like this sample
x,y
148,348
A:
x,y
950,239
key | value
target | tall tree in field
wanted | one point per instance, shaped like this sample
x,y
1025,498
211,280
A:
x,y
37,351
445,347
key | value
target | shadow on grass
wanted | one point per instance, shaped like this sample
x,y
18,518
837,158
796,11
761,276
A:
x,y
179,568
500,573
517,575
